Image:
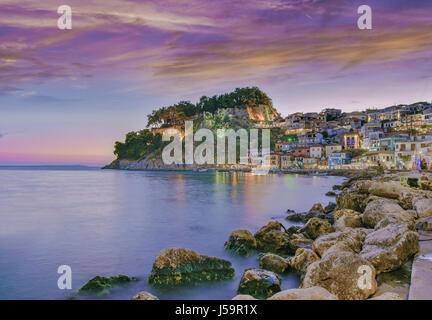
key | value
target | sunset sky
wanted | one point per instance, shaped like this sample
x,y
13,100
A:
x,y
67,95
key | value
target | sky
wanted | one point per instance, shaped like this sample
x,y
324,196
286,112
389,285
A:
x,y
67,95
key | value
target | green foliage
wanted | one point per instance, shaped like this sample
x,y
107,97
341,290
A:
x,y
137,145
184,110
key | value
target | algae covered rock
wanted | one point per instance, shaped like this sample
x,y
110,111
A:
x,y
272,239
241,242
317,207
302,259
178,266
313,293
258,283
144,295
316,227
273,262
102,285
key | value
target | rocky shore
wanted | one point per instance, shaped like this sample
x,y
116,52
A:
x,y
359,247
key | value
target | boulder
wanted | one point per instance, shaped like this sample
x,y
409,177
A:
x,y
316,227
423,208
302,259
178,266
102,285
345,222
144,295
387,296
313,293
379,209
243,297
342,274
389,247
317,207
271,239
344,213
330,207
273,263
301,242
330,194
391,190
353,238
241,242
424,224
258,283
350,200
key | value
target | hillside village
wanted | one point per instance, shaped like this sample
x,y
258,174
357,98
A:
x,y
398,137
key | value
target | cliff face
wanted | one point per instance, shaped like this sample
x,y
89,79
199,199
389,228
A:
x,y
262,113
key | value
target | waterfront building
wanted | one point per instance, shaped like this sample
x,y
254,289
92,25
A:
x,y
337,159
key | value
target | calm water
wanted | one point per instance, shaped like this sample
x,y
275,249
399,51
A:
x,y
103,222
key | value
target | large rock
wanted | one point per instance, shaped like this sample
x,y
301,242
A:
x,y
390,190
345,222
424,224
144,295
379,209
271,239
177,266
241,242
350,200
344,213
313,293
302,259
344,274
423,208
389,247
306,216
273,262
316,227
102,285
258,283
352,238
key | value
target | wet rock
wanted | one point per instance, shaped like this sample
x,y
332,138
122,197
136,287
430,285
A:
x,y
241,242
144,295
178,266
387,296
273,262
302,259
316,227
290,211
317,207
243,297
350,200
330,194
292,230
345,222
388,248
102,285
313,293
271,239
258,283
330,207
338,272
424,224
423,208
379,209
337,187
